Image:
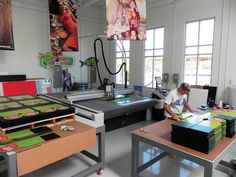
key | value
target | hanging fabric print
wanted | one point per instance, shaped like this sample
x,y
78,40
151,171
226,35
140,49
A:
x,y
126,19
63,26
6,31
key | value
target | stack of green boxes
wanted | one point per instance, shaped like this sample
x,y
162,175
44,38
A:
x,y
217,129
201,138
228,114
230,124
198,133
223,125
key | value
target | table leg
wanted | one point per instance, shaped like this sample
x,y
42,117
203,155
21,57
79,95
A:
x,y
149,114
208,170
11,164
101,146
100,159
134,156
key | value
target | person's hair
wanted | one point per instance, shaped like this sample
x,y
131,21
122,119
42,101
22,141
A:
x,y
185,86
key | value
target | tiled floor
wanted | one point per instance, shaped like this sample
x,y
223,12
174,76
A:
x,y
118,155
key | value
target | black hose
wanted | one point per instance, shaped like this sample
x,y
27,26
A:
x,y
103,56
95,54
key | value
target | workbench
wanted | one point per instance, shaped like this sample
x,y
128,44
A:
x,y
159,135
26,160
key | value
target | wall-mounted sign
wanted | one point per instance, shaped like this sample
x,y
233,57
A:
x,y
48,60
126,19
6,31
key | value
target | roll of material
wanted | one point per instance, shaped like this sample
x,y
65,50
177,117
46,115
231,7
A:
x,y
232,96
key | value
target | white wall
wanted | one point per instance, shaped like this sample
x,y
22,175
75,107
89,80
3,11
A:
x,y
190,10
30,31
89,26
230,56
173,15
31,35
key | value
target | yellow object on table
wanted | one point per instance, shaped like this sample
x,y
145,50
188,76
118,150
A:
x,y
231,113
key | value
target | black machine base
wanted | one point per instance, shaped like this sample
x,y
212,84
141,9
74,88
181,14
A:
x,y
125,120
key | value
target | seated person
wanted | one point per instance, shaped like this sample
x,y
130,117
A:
x,y
176,100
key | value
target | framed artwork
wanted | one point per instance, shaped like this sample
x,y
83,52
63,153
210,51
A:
x,y
6,31
63,26
126,19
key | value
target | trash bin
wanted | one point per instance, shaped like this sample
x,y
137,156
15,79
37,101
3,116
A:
x,y
158,109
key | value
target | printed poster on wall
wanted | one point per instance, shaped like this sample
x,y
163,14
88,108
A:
x,y
126,19
63,26
6,31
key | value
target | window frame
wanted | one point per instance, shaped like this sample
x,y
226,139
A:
x,y
153,56
198,46
123,58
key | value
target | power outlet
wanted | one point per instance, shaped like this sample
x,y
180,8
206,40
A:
x,y
165,77
176,78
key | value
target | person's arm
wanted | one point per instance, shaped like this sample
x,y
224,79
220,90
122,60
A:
x,y
72,16
186,105
168,110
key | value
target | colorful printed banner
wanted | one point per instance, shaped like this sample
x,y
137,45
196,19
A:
x,y
6,32
126,19
63,26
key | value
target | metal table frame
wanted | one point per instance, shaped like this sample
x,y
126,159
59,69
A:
x,y
136,168
100,159
11,160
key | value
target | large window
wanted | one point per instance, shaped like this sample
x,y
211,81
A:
x,y
153,56
122,55
199,52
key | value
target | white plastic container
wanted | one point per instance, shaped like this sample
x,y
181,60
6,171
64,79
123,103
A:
x,y
232,96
